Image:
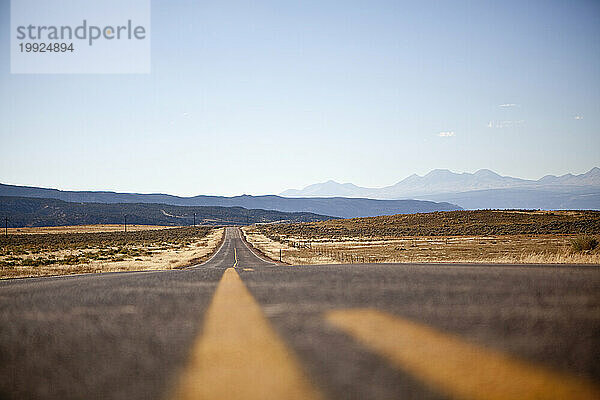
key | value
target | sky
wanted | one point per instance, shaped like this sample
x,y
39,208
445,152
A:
x,y
257,97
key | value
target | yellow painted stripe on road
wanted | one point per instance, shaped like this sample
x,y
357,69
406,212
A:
x,y
235,257
239,355
454,367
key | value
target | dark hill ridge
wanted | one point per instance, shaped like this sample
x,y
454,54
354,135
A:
x,y
27,211
455,223
335,206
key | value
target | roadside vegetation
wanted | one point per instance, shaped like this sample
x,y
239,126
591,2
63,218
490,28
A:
x,y
42,254
584,243
488,236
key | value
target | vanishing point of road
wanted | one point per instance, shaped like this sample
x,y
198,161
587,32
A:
x,y
241,327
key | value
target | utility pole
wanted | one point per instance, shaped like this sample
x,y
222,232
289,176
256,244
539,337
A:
x,y
194,219
5,226
125,223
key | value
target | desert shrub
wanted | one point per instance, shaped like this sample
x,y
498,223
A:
x,y
451,223
23,244
583,243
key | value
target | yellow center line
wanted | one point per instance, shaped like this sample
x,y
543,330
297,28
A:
x,y
453,366
239,355
235,257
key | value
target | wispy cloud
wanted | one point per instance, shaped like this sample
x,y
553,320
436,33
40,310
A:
x,y
446,134
508,105
578,117
505,124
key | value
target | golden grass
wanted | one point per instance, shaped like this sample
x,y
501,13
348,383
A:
x,y
504,249
83,229
271,249
136,257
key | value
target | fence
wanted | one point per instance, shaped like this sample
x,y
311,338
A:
x,y
337,255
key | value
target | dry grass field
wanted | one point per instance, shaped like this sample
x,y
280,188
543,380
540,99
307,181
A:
x,y
84,229
101,250
457,236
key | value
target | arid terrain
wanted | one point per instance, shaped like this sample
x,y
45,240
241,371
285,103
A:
x,y
85,229
458,236
71,250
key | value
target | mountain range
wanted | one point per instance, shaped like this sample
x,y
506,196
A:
x,y
482,189
335,207
444,181
439,190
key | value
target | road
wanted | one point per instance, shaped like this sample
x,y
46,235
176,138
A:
x,y
238,326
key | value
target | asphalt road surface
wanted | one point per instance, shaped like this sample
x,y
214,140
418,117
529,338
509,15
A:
x,y
238,326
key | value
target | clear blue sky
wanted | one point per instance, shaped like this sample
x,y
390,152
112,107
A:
x,y
258,97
